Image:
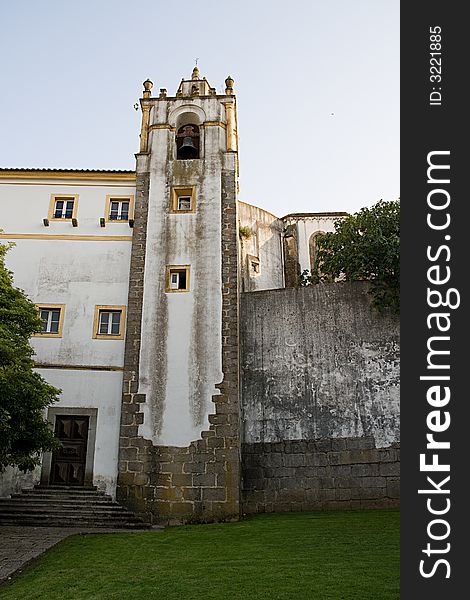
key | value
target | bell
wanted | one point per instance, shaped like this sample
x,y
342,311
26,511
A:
x,y
187,149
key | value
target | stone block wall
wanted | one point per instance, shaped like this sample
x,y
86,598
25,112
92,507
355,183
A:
x,y
328,474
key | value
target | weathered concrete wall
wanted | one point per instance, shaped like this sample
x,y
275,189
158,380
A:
x,y
180,355
12,480
329,474
318,362
265,244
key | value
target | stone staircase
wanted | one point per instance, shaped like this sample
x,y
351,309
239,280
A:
x,y
62,506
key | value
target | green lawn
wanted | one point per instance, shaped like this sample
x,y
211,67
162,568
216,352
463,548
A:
x,y
290,556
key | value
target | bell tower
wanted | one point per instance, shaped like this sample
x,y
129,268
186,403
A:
x,y
180,445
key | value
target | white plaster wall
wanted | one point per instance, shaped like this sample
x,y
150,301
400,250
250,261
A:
x,y
25,204
83,389
180,357
266,244
101,390
12,480
80,274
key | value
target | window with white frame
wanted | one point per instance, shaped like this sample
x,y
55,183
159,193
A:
x,y
50,320
52,316
183,199
109,322
177,279
63,208
119,209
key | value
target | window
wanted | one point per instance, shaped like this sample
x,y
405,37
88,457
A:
x,y
187,142
184,203
52,316
109,322
177,278
63,208
119,208
253,265
183,200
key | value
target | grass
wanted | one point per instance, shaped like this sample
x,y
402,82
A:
x,y
290,556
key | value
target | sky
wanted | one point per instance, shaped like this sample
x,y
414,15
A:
x,y
317,86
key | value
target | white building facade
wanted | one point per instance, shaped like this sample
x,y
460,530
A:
x,y
136,276
76,271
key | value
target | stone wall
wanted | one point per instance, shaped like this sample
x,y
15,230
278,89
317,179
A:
x,y
320,400
329,474
318,362
261,263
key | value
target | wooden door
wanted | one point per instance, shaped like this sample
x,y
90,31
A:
x,y
68,463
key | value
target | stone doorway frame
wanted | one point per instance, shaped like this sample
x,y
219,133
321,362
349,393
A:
x,y
92,413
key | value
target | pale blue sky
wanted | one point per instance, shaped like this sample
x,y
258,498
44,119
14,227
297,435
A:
x,y
72,71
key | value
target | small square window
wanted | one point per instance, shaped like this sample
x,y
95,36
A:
x,y
119,208
253,265
52,316
177,279
183,200
109,322
63,208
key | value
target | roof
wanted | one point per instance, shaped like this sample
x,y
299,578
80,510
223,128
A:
x,y
314,215
23,173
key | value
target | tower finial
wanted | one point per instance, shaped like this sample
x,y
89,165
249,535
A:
x,y
196,74
148,85
229,86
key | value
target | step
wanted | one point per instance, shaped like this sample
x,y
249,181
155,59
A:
x,y
87,488
82,523
67,506
58,494
123,516
57,509
63,491
55,498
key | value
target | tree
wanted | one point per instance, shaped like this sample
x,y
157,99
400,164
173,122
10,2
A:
x,y
24,394
364,246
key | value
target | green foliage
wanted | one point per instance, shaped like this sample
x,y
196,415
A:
x,y
24,394
246,233
307,278
365,247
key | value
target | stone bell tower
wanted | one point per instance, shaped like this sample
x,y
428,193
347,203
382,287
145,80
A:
x,y
180,444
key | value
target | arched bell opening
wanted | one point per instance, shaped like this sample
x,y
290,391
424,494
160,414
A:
x,y
187,142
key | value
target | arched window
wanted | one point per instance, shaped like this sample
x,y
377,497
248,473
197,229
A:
x,y
187,142
312,244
